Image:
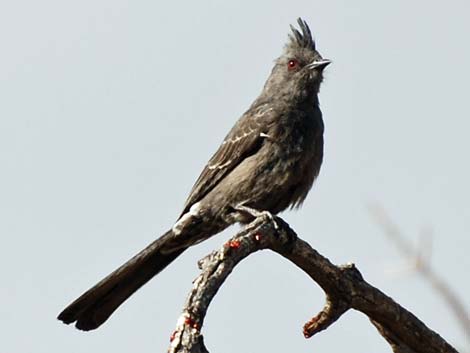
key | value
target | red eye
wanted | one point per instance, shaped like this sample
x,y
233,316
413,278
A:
x,y
292,64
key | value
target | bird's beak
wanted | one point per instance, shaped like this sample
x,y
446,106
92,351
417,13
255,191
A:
x,y
319,64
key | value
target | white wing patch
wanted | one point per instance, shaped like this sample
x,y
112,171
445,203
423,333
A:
x,y
262,110
220,166
193,211
238,138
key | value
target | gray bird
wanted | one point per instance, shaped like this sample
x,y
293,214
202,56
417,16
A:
x,y
266,163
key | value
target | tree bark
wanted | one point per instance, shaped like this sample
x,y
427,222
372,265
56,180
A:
x,y
344,289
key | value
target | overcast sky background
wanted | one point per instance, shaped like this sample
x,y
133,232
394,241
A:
x,y
110,109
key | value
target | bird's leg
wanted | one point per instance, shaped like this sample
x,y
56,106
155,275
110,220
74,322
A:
x,y
266,215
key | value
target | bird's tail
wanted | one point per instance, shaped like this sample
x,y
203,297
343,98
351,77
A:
x,y
97,304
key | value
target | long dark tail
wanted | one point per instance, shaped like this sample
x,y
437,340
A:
x,y
97,304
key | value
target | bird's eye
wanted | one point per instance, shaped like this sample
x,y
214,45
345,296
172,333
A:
x,y
293,64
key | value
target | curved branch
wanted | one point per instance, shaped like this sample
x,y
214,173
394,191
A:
x,y
344,287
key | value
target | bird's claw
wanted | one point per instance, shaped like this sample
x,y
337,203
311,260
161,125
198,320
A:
x,y
264,215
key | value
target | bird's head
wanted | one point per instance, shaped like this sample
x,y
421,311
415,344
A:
x,y
298,72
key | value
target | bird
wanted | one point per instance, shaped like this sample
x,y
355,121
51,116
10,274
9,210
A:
x,y
267,163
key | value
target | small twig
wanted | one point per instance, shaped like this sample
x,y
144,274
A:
x,y
344,287
331,312
422,266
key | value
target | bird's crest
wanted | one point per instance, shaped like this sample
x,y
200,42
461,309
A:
x,y
302,40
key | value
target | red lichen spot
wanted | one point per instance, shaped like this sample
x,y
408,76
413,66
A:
x,y
257,237
191,323
310,328
234,244
306,334
173,335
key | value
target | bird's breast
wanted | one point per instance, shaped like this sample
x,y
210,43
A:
x,y
292,158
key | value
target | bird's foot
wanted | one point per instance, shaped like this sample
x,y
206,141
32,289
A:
x,y
265,215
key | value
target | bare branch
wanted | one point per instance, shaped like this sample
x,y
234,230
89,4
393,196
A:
x,y
422,266
343,285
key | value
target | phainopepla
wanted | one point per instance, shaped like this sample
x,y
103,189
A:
x,y
267,162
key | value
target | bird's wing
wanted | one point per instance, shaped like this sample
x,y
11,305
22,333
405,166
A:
x,y
243,140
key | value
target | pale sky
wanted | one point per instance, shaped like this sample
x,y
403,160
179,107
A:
x,y
110,109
